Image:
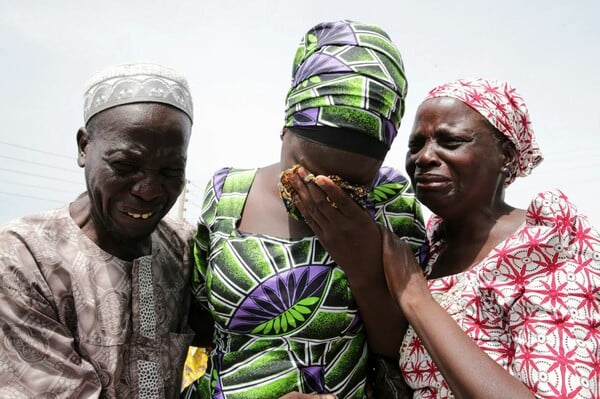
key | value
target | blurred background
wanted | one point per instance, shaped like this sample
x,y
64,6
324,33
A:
x,y
237,56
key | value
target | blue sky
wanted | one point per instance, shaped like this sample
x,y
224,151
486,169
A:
x,y
237,57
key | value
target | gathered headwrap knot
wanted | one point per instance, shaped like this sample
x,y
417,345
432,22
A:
x,y
501,104
348,75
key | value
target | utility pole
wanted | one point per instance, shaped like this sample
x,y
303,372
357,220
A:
x,y
181,205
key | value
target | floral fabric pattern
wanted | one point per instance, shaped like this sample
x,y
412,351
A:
x,y
533,305
285,317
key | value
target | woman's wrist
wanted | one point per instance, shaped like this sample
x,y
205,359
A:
x,y
416,299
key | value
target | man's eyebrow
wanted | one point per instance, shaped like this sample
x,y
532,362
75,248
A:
x,y
124,151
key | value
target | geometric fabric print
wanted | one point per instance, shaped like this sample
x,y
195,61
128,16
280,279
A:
x,y
147,309
347,75
148,374
285,319
313,377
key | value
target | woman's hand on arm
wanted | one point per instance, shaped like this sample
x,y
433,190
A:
x,y
353,240
469,371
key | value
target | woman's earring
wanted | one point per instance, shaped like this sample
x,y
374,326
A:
x,y
506,171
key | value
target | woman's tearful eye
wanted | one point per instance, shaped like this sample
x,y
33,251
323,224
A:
x,y
453,142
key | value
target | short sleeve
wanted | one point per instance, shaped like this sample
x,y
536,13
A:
x,y
212,194
397,208
555,317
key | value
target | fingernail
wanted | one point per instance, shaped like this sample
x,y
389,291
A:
x,y
301,171
305,175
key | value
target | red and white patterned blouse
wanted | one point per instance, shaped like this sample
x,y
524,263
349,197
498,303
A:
x,y
532,305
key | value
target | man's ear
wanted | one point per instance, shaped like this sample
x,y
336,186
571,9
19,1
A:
x,y
83,139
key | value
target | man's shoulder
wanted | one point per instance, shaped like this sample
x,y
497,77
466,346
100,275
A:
x,y
180,228
28,240
33,224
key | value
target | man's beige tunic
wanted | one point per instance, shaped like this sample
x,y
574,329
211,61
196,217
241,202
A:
x,y
77,322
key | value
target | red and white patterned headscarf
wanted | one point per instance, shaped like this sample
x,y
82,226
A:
x,y
504,108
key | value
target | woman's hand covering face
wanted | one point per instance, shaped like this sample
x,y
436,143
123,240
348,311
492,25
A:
x,y
288,192
345,228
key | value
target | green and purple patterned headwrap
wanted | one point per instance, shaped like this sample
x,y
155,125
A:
x,y
348,75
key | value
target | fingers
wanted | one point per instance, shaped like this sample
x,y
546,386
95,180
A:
x,y
311,201
326,195
336,196
403,274
333,204
396,252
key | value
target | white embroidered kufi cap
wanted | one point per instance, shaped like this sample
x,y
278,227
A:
x,y
136,83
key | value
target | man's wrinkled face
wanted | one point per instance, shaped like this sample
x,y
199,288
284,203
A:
x,y
134,158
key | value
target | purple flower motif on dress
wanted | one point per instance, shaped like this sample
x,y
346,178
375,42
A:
x,y
422,254
282,303
317,64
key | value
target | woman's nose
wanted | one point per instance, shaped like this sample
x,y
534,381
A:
x,y
426,156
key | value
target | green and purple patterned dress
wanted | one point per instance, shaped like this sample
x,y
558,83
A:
x,y
285,317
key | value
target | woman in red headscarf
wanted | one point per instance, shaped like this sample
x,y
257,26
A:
x,y
508,304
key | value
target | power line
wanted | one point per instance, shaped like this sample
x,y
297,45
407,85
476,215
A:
x,y
32,197
191,183
39,163
36,150
35,186
36,175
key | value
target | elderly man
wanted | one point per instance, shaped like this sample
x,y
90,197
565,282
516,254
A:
x,y
94,296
